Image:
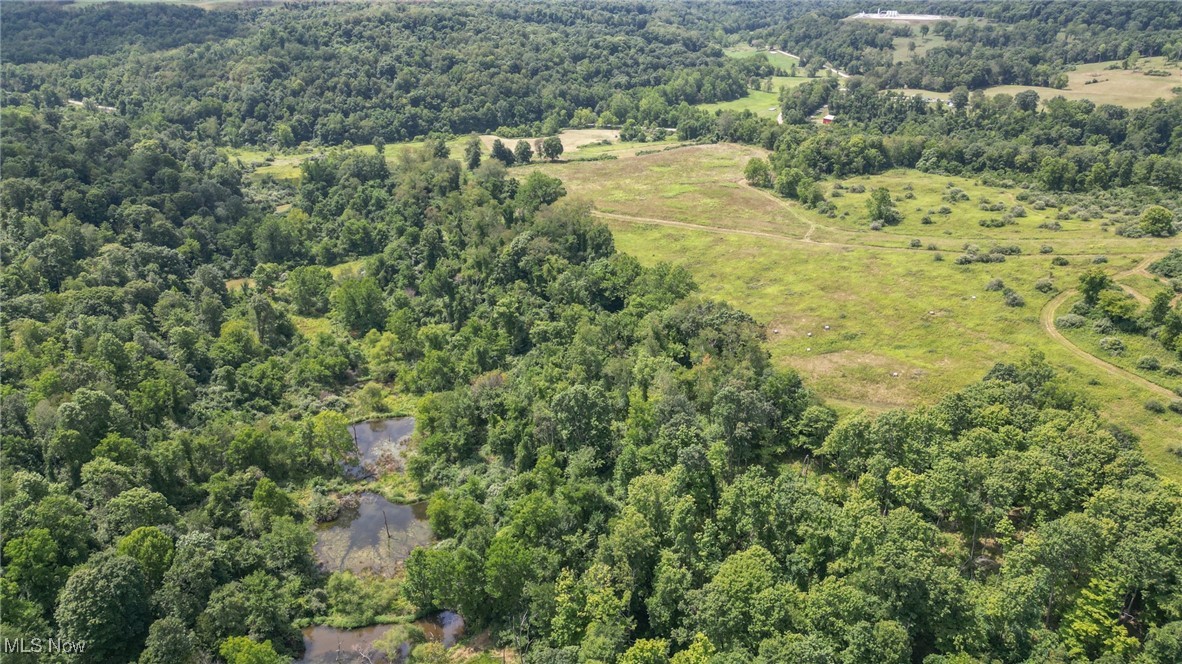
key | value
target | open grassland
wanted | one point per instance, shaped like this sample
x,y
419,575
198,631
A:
x,y
922,45
775,58
285,165
764,103
918,195
868,321
1146,285
1121,87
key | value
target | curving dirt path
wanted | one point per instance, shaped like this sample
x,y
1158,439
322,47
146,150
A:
x,y
1047,318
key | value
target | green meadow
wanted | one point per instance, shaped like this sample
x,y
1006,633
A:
x,y
1101,82
869,321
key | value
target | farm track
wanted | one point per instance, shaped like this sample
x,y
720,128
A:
x,y
1046,316
805,239
1047,319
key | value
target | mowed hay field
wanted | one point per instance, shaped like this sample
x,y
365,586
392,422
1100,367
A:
x,y
903,328
1120,87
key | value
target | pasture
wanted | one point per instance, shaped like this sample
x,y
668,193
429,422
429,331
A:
x,y
284,165
870,323
903,50
1132,88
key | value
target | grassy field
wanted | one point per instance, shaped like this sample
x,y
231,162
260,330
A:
x,y
871,323
763,103
781,60
918,195
922,46
285,165
1148,286
1131,88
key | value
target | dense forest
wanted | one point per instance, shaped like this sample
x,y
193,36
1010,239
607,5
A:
x,y
614,468
396,71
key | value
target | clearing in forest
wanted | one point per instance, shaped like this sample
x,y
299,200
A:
x,y
1152,79
870,321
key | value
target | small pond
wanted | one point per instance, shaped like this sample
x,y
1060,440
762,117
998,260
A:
x,y
328,645
379,444
375,536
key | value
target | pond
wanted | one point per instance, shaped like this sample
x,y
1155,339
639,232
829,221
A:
x,y
379,445
374,536
328,645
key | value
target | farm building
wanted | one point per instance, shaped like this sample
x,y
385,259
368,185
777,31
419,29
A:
x,y
828,119
893,15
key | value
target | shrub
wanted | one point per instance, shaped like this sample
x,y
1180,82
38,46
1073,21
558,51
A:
x,y
1044,285
926,220
1148,363
1170,266
1013,299
857,189
1018,211
1113,345
1176,406
995,285
1172,369
1060,261
1051,226
939,258
1046,249
1070,321
955,195
1103,326
1006,250
916,243
1099,260
1154,406
324,508
944,209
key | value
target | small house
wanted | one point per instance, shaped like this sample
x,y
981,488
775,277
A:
x,y
828,119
